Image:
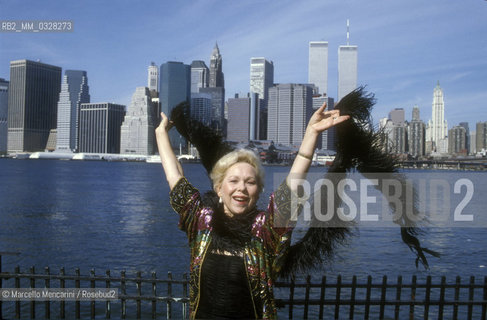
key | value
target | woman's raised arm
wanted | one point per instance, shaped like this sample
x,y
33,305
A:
x,y
320,121
170,163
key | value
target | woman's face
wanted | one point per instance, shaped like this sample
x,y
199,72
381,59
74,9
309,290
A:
x,y
239,189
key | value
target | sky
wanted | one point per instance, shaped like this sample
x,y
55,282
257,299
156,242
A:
x,y
404,46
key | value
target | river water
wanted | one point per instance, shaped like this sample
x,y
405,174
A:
x,y
116,215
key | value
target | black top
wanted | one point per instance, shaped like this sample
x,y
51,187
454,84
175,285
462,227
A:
x,y
224,292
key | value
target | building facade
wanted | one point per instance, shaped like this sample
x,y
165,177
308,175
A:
x,y
261,80
347,70
200,75
217,106
436,131
32,104
290,108
397,116
416,135
175,88
318,66
3,115
201,106
239,119
153,77
216,69
481,136
457,141
74,92
138,128
99,127
467,132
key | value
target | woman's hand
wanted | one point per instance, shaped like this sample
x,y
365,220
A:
x,y
322,120
165,125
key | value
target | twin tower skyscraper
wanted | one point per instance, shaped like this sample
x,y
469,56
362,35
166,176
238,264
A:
x,y
347,67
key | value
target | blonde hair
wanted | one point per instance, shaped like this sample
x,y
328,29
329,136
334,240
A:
x,y
240,155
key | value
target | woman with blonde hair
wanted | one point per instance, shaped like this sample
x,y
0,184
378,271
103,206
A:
x,y
236,249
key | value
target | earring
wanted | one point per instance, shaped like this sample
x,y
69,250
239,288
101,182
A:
x,y
220,200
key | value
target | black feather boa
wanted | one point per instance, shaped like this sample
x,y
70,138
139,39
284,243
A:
x,y
230,234
358,148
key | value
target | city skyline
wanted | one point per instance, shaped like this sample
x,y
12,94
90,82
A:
x,y
405,47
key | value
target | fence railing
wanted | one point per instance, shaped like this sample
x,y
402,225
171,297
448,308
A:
x,y
142,296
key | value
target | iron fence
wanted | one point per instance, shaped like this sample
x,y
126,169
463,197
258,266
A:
x,y
149,296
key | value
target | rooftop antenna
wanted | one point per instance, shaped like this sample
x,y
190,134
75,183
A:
x,y
348,32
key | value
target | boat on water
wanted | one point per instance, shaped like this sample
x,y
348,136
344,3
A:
x,y
183,158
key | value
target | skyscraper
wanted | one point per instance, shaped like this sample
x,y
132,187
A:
x,y
347,67
74,92
3,115
99,127
290,108
137,132
239,119
416,135
397,116
467,132
175,88
261,76
261,79
480,136
32,104
201,107
437,127
457,141
216,70
415,115
318,65
153,77
199,75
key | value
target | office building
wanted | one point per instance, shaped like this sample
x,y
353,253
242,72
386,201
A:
x,y
217,107
416,135
199,76
216,69
175,88
261,79
481,136
399,139
318,66
257,120
397,116
3,115
387,134
457,141
239,119
467,132
436,131
153,77
32,104
138,127
289,110
74,92
415,115
201,106
347,68
216,87
99,127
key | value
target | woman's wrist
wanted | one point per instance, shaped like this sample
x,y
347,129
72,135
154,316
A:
x,y
305,156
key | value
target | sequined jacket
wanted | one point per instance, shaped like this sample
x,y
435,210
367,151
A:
x,y
263,256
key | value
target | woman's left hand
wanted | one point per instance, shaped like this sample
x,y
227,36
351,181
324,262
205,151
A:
x,y
322,120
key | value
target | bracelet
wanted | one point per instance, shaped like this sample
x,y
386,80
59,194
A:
x,y
310,158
